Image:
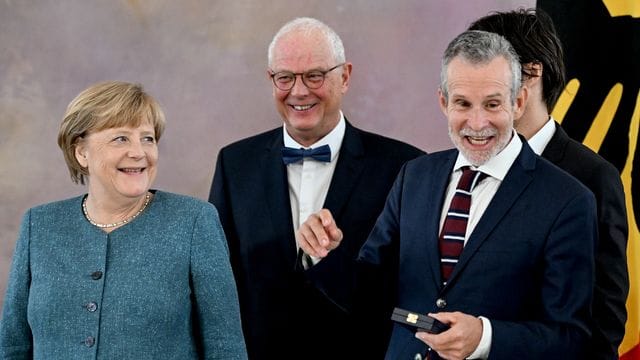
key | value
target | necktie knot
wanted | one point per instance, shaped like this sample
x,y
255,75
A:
x,y
470,178
293,155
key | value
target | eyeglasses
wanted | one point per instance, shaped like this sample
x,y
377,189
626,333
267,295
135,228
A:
x,y
285,80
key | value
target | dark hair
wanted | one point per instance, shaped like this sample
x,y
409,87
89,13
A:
x,y
532,34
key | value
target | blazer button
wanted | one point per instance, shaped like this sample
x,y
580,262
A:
x,y
92,306
96,275
89,341
441,303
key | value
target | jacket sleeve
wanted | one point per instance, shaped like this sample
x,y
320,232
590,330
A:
x,y
612,279
15,335
215,296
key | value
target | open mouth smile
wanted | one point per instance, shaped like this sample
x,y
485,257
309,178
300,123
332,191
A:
x,y
302,107
479,140
132,170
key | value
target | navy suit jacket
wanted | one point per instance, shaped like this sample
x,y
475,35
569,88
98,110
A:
x,y
612,278
527,266
283,315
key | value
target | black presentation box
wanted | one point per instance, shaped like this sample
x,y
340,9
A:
x,y
418,321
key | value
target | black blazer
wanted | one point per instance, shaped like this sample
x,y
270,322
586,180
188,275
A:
x,y
612,279
283,315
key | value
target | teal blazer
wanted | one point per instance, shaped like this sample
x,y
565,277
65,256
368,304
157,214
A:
x,y
160,287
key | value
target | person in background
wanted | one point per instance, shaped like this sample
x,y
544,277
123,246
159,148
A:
x,y
265,185
533,36
488,238
124,271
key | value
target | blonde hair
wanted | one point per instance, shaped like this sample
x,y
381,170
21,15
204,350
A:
x,y
103,106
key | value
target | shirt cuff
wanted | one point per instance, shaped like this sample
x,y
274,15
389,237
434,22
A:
x,y
482,351
309,261
315,260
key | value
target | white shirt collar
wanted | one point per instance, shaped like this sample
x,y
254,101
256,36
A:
x,y
333,138
540,139
498,166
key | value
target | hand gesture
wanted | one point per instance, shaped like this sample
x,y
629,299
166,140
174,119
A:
x,y
319,234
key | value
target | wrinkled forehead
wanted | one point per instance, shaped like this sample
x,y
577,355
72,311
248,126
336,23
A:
x,y
490,77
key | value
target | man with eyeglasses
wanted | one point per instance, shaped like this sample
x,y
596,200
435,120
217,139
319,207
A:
x,y
489,247
266,185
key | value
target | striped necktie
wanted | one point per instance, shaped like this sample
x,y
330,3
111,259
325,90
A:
x,y
451,240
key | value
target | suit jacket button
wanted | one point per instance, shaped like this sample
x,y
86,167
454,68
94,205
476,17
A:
x,y
91,307
89,341
417,357
441,303
96,275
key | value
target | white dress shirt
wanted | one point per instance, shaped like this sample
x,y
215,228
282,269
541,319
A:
x,y
496,169
309,179
541,139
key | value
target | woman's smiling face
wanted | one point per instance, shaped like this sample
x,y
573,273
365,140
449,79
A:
x,y
122,162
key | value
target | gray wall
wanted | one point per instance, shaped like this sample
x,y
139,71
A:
x,y
205,61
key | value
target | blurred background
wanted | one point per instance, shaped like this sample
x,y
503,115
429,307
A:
x,y
205,61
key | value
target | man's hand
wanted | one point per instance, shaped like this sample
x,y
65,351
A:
x,y
319,234
460,340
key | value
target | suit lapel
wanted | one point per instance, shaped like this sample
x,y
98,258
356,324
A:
x,y
347,173
555,149
276,188
512,187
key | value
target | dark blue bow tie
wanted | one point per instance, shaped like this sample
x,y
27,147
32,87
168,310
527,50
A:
x,y
293,155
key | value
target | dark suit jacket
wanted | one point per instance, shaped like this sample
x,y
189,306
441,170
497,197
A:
x,y
283,316
527,266
612,279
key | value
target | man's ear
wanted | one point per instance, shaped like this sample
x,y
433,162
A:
x,y
442,101
521,101
346,75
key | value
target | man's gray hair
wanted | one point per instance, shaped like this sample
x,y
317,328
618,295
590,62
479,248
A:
x,y
308,25
481,47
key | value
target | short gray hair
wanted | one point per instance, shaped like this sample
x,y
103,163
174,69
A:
x,y
308,25
481,47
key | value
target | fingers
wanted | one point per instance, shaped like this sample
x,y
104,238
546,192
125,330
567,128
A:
x,y
319,234
446,317
335,237
325,217
332,234
309,237
460,340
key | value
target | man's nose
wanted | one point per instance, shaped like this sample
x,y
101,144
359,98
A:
x,y
299,88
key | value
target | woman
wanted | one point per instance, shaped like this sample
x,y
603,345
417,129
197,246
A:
x,y
123,272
